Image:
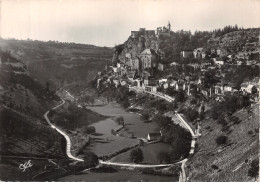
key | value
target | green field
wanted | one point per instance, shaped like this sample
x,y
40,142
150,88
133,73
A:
x,y
150,153
135,125
106,145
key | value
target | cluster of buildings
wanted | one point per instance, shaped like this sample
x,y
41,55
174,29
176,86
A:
x,y
201,53
219,89
138,65
137,70
149,84
151,33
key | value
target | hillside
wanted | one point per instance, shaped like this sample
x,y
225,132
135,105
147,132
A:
x,y
241,43
23,131
229,161
213,78
59,63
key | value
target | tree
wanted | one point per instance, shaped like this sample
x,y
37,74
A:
x,y
125,103
170,91
180,96
162,121
191,114
136,155
47,85
90,159
120,120
221,140
160,89
113,132
209,79
254,168
160,105
92,101
145,116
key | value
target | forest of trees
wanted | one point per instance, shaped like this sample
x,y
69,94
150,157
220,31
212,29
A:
x,y
173,135
185,40
226,29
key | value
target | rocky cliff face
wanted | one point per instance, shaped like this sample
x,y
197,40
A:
x,y
134,46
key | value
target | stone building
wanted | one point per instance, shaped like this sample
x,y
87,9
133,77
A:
x,y
143,32
148,59
186,53
164,30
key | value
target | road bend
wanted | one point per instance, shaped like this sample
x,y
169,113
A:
x,y
68,145
180,118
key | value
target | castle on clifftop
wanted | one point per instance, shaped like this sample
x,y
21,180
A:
x,y
151,33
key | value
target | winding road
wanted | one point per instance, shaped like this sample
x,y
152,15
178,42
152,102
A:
x,y
187,126
109,163
68,145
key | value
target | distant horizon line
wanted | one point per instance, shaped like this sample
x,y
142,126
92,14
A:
x,y
79,43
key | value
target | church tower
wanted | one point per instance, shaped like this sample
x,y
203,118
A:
x,y
169,26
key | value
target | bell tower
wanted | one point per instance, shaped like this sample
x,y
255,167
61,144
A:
x,y
169,26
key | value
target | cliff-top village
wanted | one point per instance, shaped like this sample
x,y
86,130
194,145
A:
x,y
134,69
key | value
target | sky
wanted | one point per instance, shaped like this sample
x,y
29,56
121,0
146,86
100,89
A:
x,y
110,22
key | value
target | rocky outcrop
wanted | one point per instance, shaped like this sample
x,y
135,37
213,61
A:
x,y
133,47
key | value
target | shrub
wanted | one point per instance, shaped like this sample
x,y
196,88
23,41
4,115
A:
x,y
125,103
254,168
221,140
120,120
113,132
192,114
161,105
52,112
90,159
180,96
193,101
222,121
234,119
88,130
170,91
250,132
214,167
136,155
162,121
145,116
